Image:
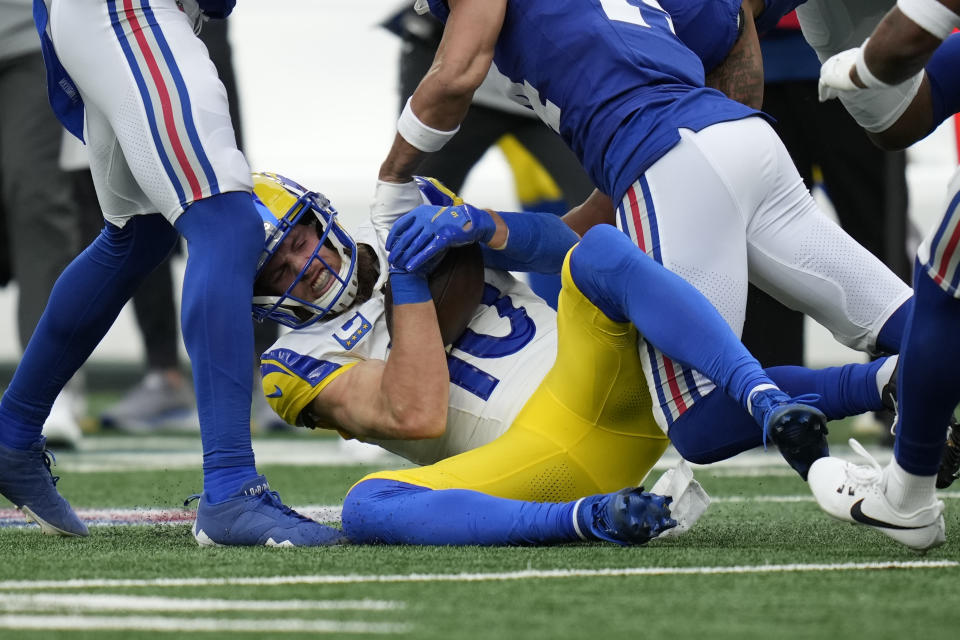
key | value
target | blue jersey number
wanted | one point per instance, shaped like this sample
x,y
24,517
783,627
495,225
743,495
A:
x,y
631,11
522,329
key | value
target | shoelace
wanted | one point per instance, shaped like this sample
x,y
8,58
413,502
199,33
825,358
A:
x,y
275,500
805,398
48,460
863,475
270,496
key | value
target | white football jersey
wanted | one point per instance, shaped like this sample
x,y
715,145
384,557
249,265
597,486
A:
x,y
497,363
832,26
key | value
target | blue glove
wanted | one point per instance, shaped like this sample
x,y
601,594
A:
x,y
217,9
429,230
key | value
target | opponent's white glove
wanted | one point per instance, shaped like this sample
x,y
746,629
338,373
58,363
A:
x,y
835,74
390,201
192,10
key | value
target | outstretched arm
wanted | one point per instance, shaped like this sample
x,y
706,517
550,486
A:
x,y
904,40
899,47
442,98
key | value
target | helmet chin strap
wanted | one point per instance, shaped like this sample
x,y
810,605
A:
x,y
346,293
349,291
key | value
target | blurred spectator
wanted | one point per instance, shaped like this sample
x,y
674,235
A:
x,y
39,217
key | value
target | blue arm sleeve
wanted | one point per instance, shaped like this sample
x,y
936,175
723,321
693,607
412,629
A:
x,y
944,80
537,242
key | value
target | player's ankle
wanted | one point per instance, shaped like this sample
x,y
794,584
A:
x,y
906,492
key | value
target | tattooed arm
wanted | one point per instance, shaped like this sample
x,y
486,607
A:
x,y
740,75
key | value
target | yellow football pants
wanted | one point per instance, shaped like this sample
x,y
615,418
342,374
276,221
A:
x,y
588,428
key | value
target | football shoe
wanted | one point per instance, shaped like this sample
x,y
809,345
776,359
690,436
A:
x,y
255,516
27,481
628,517
950,462
798,429
857,493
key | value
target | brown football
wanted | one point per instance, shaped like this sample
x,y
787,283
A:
x,y
456,285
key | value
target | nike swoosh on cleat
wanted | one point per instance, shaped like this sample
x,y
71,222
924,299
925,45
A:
x,y
275,394
856,512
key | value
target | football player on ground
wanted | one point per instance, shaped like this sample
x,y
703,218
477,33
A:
x,y
900,499
165,163
529,410
701,183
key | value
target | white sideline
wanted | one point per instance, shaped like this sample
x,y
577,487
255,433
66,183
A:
x,y
530,574
191,625
116,602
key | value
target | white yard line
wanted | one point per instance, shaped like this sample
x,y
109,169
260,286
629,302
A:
x,y
319,512
284,625
531,574
13,602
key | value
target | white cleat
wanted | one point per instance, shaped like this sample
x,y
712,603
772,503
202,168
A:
x,y
856,493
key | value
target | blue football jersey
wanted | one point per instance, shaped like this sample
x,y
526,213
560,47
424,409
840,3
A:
x,y
709,28
610,76
775,9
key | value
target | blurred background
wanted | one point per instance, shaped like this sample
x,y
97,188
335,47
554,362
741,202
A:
x,y
318,89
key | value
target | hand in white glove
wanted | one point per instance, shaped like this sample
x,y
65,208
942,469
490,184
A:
x,y
835,74
390,201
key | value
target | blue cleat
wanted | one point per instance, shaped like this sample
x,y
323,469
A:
x,y
798,429
27,482
255,516
627,517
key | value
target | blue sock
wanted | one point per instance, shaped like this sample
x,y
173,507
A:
x,y
382,511
668,311
714,428
928,386
224,237
717,428
546,285
891,333
844,391
84,303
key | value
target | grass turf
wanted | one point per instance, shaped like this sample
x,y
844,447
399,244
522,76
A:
x,y
745,532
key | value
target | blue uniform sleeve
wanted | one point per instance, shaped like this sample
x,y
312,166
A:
x,y
944,80
439,9
538,242
218,9
709,29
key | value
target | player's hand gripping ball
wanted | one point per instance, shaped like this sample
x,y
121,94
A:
x,y
429,230
456,286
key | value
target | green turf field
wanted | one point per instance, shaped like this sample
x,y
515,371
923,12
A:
x,y
763,562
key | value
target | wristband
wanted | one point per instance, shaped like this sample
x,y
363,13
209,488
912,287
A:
x,y
869,80
419,135
409,288
931,16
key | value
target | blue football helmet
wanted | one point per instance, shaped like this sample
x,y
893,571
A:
x,y
283,204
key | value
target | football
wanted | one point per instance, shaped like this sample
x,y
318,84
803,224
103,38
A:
x,y
456,285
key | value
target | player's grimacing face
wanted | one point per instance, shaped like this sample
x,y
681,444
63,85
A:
x,y
294,252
